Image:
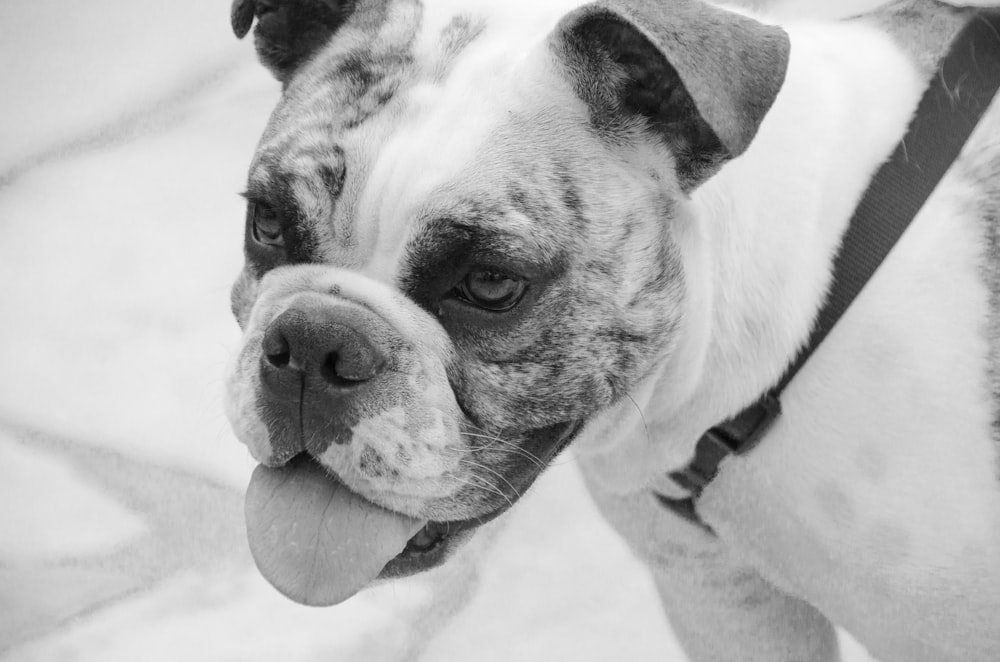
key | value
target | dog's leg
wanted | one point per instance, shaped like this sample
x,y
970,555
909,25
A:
x,y
721,611
720,608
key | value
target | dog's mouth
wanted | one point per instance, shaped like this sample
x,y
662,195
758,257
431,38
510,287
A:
x,y
319,543
429,548
433,543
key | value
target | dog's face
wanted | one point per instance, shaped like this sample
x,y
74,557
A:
x,y
464,239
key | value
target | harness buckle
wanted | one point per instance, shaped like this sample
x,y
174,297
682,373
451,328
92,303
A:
x,y
736,436
749,426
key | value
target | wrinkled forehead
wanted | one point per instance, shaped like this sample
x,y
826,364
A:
x,y
422,123
454,142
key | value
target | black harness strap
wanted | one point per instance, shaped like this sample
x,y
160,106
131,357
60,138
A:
x,y
966,82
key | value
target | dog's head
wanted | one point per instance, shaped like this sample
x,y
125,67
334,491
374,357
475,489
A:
x,y
464,232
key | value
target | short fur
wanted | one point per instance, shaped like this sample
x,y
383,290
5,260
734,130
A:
x,y
670,181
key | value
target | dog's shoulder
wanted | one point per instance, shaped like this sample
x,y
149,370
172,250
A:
x,y
975,178
925,31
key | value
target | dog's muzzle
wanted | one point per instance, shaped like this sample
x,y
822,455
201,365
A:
x,y
340,390
319,362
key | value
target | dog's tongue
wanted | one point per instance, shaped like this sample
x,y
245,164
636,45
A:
x,y
313,539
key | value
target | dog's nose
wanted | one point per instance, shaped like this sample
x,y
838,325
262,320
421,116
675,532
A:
x,y
321,343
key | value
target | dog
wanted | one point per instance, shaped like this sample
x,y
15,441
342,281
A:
x,y
479,234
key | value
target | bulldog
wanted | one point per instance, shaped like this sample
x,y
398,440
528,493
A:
x,y
478,233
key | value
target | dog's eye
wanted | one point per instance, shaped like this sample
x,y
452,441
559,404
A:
x,y
266,225
491,290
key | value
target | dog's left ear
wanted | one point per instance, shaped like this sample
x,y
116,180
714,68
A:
x,y
699,77
289,32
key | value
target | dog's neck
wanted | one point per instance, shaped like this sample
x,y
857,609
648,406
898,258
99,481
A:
x,y
756,232
780,210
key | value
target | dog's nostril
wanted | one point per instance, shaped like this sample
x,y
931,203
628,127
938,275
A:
x,y
346,370
321,343
276,349
279,359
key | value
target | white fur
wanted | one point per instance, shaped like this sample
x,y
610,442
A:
x,y
875,497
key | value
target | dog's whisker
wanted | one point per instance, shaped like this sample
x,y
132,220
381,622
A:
x,y
642,416
483,467
483,483
494,489
507,446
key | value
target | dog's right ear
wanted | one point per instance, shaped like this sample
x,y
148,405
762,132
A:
x,y
289,32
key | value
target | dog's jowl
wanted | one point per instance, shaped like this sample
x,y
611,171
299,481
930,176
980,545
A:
x,y
478,233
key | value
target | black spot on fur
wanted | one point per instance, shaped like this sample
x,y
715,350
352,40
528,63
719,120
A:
x,y
602,267
570,196
455,38
369,80
628,346
533,206
458,34
384,96
334,172
358,69
518,198
372,464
